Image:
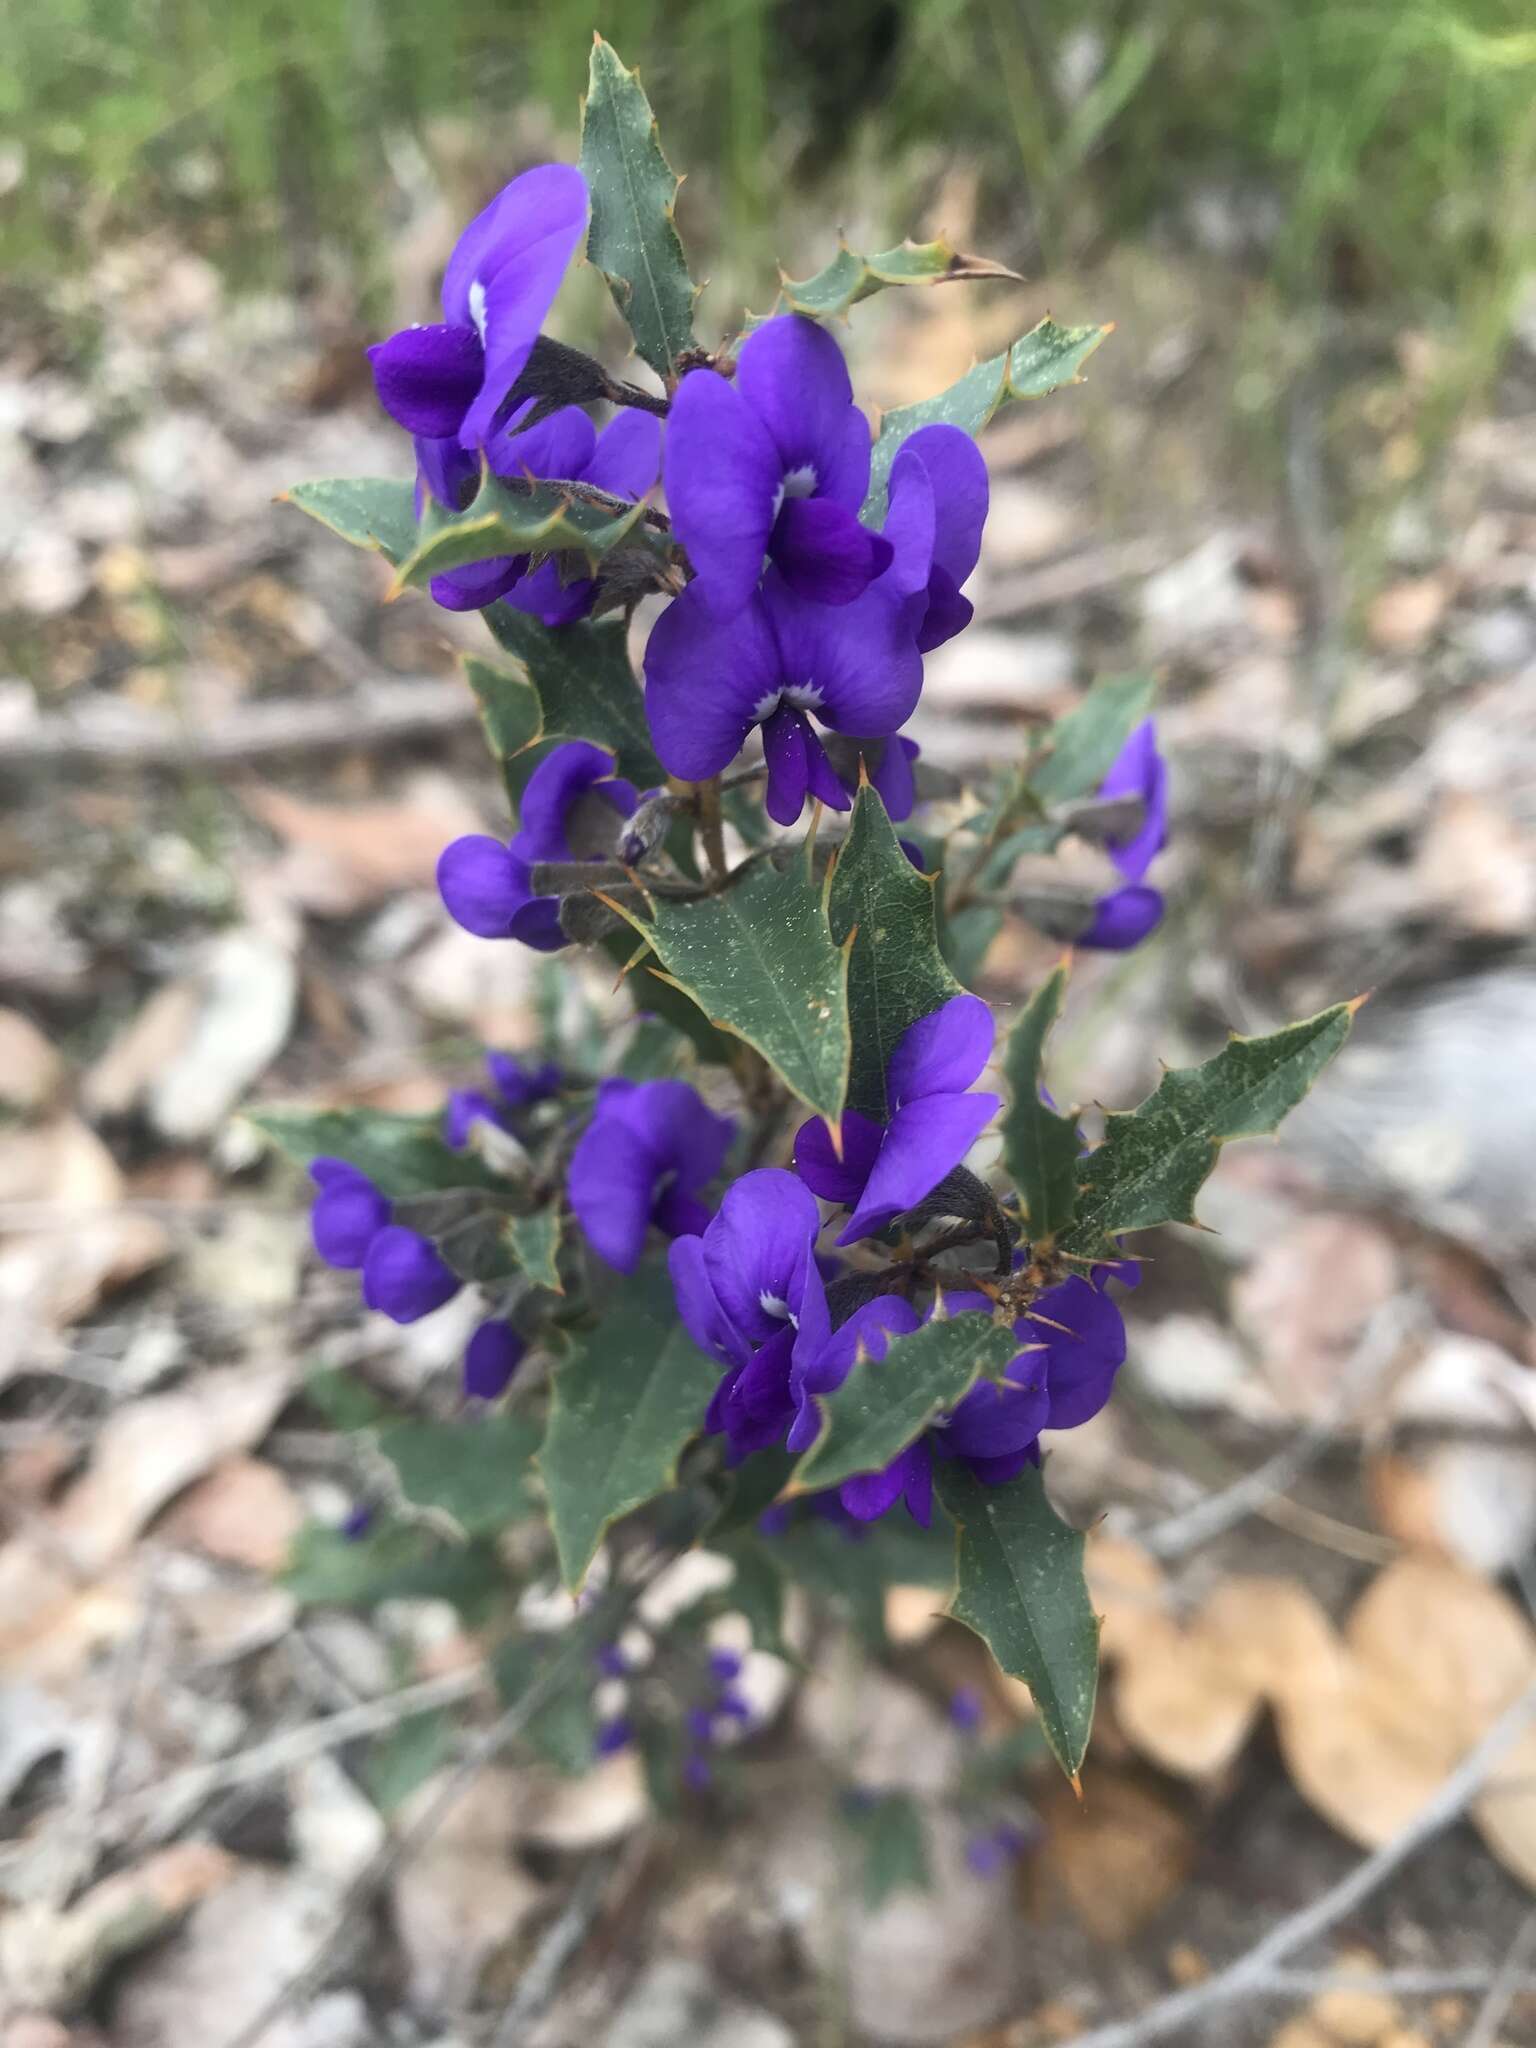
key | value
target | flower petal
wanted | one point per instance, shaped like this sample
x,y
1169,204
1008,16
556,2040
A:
x,y
427,377
684,1137
348,1215
958,472
923,1142
823,553
537,924
517,1083
491,1357
472,588
910,525
871,1325
845,475
404,1276
482,884
838,1180
942,1053
723,475
704,680
1080,1361
1141,771
860,658
612,1182
703,1318
792,374
464,1109
1123,918
947,613
784,749
994,1421
445,469
911,1474
561,445
891,776
553,790
543,596
628,455
759,1248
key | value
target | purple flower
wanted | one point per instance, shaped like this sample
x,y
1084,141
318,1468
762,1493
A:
x,y
698,1773
359,1519
779,657
649,1149
724,1665
939,490
348,1215
750,1293
822,1369
446,383
517,1086
994,1848
611,1661
404,1276
622,460
888,1168
888,765
571,810
1123,917
965,1709
775,464
614,1734
491,1357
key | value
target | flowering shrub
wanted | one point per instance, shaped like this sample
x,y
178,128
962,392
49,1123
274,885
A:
x,y
745,1290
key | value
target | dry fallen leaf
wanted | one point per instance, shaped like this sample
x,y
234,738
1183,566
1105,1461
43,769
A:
x,y
1477,866
1119,1854
1352,2014
1458,1646
32,1074
342,860
1183,1705
244,1512
1307,1297
462,1895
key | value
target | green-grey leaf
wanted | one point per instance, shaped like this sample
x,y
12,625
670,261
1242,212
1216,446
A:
x,y
1081,748
401,1155
397,1562
760,961
633,237
855,1574
563,1729
506,517
1155,1158
370,511
624,1406
1040,1148
1038,363
511,715
896,972
475,1472
584,687
535,1242
890,1828
850,277
1022,1590
346,1402
757,1592
885,1405
966,937
401,1762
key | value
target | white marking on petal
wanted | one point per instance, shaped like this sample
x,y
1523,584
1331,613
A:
x,y
801,482
766,706
477,306
774,1305
804,696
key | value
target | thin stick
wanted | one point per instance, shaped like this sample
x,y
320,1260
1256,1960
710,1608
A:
x,y
1248,1976
1389,1983
1504,1988
564,1936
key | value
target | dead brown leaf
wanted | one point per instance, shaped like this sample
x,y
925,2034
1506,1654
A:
x,y
1458,1646
1118,1855
1476,865
1306,1298
32,1074
244,1512
340,861
1183,1705
1402,617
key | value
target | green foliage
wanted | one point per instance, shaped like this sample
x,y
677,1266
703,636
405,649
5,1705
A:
x,y
889,1828
521,518
402,1155
760,961
511,716
1022,1590
563,1727
1040,1148
584,687
851,1569
883,910
1038,363
757,1592
1155,1158
400,1763
369,511
883,1406
399,1561
474,1472
633,237
965,938
1081,748
535,1243
849,277
625,1405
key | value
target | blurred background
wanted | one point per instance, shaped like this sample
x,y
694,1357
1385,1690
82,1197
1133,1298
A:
x,y
1299,483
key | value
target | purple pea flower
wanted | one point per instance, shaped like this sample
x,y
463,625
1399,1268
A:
x,y
446,383
614,1734
777,464
622,460
491,1357
724,1666
348,1215
779,657
1123,917
404,1276
939,485
520,1085
611,1661
965,1709
888,1168
698,1773
516,1087
993,1849
571,810
649,1149
750,1293
888,766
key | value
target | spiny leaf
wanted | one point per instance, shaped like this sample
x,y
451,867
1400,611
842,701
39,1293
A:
x,y
512,518
511,716
896,972
585,689
371,512
474,1471
401,1155
1037,364
624,1406
760,961
1155,1158
1081,748
966,936
1040,1148
1022,1590
885,1405
633,237
535,1242
564,1728
850,277
890,1826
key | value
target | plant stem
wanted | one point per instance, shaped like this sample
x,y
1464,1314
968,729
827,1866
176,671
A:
x,y
712,829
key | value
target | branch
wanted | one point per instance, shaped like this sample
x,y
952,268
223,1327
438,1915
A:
x,y
1252,1974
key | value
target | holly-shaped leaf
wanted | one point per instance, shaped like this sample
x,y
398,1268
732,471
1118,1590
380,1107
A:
x,y
584,687
511,517
403,1156
369,511
850,277
1038,363
1040,1148
896,972
1022,1590
886,1404
760,961
625,1405
474,1471
1080,749
633,237
1155,1158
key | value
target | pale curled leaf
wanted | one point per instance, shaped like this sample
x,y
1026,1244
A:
x,y
850,276
510,517
369,511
